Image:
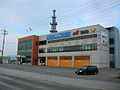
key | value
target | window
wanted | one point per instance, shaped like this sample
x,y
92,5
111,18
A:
x,y
84,31
52,58
42,50
85,47
42,42
111,41
111,50
65,57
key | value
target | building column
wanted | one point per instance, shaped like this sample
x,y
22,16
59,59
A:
x,y
72,61
58,64
46,61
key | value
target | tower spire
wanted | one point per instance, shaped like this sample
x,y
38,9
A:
x,y
54,23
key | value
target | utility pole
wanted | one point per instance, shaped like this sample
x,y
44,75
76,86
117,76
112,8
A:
x,y
4,33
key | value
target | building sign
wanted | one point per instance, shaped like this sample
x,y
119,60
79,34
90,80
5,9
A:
x,y
84,31
20,56
104,39
76,32
93,29
59,35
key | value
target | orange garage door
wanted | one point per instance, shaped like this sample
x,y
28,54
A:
x,y
52,61
81,61
66,61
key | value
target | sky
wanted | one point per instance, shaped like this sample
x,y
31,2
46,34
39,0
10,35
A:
x,y
16,16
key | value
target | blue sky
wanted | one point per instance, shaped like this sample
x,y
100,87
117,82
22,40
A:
x,y
18,15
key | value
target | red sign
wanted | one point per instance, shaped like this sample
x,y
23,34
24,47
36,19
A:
x,y
76,32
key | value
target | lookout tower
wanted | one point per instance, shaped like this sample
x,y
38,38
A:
x,y
54,23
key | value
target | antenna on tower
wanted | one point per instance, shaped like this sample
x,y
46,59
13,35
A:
x,y
54,23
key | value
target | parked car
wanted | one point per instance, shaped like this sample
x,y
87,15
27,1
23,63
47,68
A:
x,y
87,70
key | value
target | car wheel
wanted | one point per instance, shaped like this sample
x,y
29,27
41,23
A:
x,y
95,73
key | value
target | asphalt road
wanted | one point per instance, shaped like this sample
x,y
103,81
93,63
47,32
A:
x,y
17,77
105,74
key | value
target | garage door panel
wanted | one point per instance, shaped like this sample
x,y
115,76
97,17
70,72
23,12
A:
x,y
65,63
52,62
81,63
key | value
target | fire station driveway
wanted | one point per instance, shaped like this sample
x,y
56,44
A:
x,y
16,79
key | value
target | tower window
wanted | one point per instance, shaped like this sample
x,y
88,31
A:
x,y
111,41
111,50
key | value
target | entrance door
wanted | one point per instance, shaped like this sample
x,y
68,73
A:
x,y
42,61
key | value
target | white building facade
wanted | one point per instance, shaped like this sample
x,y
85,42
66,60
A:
x,y
75,48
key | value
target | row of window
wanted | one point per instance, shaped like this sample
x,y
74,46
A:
x,y
65,57
25,52
52,58
69,58
85,47
74,38
24,45
82,57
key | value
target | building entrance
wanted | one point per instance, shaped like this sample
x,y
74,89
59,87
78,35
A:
x,y
42,61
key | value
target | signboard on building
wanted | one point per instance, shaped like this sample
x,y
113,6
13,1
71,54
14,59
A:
x,y
76,32
93,29
59,35
104,39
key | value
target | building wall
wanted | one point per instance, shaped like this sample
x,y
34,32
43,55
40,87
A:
x,y
34,54
114,33
117,48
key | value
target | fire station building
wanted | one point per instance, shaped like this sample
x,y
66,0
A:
x,y
90,45
75,48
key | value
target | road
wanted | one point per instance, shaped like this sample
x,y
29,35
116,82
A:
x,y
15,79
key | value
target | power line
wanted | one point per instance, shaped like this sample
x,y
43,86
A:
x,y
64,12
96,11
73,9
100,9
84,8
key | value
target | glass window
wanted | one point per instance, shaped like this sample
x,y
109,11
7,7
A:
x,y
111,41
42,50
84,31
86,47
111,50
60,49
